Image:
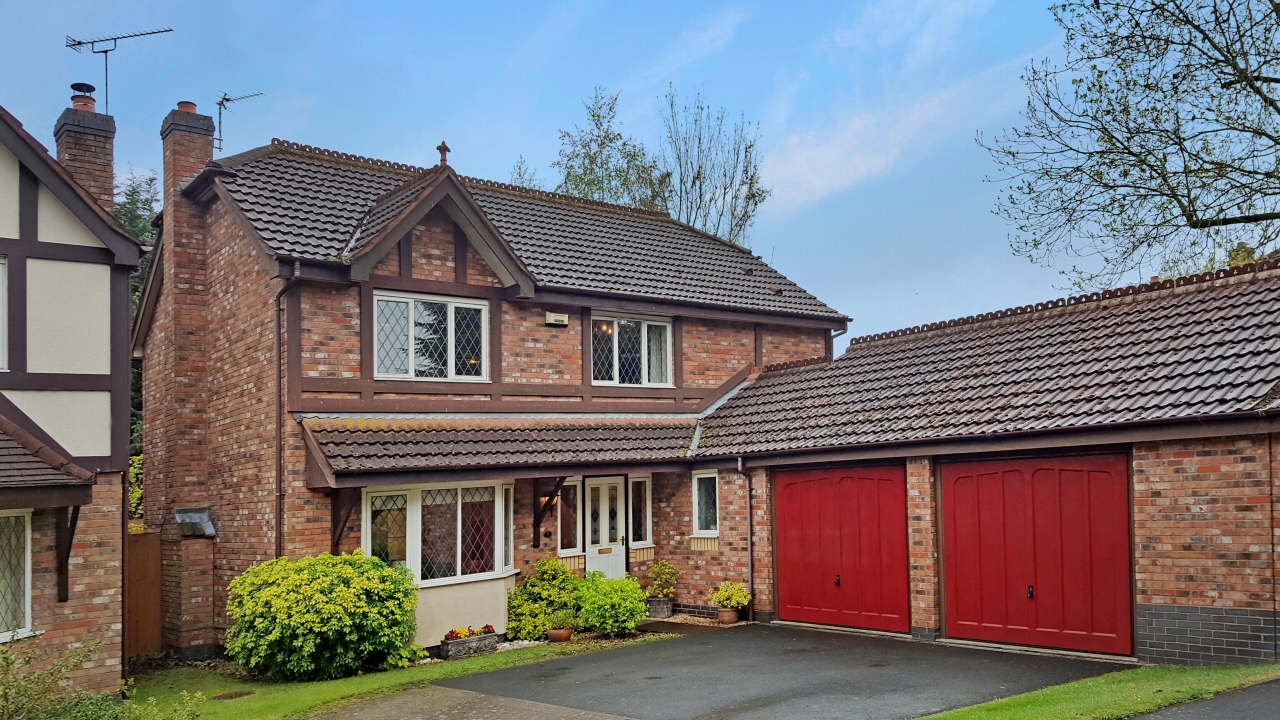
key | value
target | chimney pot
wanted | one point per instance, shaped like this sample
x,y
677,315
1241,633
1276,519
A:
x,y
186,106
83,103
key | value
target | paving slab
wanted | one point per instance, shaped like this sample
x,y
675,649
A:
x,y
438,703
763,672
1259,702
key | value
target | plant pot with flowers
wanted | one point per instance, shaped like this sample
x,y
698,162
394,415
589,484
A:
x,y
730,597
662,578
561,626
465,642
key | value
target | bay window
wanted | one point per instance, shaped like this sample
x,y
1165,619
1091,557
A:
x,y
15,575
443,533
630,351
421,337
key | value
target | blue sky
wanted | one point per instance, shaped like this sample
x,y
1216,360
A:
x,y
867,110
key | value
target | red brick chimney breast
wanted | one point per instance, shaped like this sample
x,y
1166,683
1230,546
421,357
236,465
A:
x,y
86,148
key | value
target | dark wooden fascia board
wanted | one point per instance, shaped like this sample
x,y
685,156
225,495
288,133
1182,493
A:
x,y
321,465
1129,433
242,222
57,251
637,304
376,248
146,312
436,287
313,270
425,405
121,368
19,418
520,472
46,496
58,381
724,388
488,242
125,250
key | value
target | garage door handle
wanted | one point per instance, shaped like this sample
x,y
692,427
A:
x,y
1031,592
837,581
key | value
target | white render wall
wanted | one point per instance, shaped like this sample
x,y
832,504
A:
x,y
57,224
79,420
8,194
68,317
473,604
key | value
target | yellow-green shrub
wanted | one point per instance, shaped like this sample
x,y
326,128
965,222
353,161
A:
x,y
730,595
530,607
613,607
319,617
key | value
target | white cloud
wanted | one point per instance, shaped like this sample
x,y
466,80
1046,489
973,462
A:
x,y
692,45
920,30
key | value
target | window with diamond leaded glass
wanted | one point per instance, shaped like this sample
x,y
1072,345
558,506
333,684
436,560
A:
x,y
439,533
14,589
706,517
640,531
388,522
630,352
422,338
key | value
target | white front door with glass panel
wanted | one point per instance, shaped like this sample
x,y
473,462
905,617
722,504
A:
x,y
606,526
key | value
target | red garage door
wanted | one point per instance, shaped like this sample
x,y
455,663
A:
x,y
1037,552
842,547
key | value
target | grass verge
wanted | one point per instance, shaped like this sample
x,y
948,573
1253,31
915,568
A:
x,y
270,700
1122,694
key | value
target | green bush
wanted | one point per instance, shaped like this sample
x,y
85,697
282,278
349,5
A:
x,y
33,684
731,595
662,579
136,505
407,656
530,606
563,620
321,617
613,607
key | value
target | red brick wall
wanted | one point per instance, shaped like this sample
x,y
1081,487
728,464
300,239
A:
x,y
535,353
700,570
331,331
90,159
478,271
922,550
433,248
715,350
780,343
1202,521
93,609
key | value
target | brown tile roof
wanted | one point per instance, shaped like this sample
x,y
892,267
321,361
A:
x,y
321,205
1202,346
383,444
27,462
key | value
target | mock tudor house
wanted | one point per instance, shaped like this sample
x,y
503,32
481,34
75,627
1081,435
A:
x,y
460,377
64,391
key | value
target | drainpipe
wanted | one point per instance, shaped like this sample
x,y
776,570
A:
x,y
297,270
751,531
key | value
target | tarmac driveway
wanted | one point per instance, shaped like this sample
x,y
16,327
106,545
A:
x,y
772,671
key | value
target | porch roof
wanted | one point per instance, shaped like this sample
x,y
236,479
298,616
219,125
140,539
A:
x,y
372,445
34,475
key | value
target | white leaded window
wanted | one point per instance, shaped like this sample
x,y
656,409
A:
x,y
640,517
15,575
706,506
422,337
443,533
630,351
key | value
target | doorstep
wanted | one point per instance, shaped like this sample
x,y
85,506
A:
x,y
975,644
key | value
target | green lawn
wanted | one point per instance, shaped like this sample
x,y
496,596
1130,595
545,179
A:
x,y
1121,694
277,700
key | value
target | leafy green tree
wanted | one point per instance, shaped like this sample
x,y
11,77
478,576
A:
x,y
1155,146
599,163
523,175
137,200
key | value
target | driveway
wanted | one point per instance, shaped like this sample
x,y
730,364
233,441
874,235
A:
x,y
1260,702
771,671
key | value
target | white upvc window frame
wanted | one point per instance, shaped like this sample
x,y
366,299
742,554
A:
x,y
452,303
576,482
705,533
648,509
25,630
503,532
644,348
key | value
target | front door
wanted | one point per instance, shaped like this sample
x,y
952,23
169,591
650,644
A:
x,y
606,529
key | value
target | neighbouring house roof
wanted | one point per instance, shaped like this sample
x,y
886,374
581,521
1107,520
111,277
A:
x,y
321,205
1201,347
27,462
35,157
368,445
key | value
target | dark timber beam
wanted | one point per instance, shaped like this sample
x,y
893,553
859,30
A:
x,y
65,533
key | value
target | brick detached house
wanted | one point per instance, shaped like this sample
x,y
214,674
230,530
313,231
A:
x,y
64,391
460,376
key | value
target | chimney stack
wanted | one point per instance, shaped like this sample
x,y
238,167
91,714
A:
x,y
86,146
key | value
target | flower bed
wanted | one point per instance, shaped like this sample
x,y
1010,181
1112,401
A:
x,y
465,642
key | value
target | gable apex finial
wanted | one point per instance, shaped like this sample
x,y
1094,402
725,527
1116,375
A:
x,y
443,147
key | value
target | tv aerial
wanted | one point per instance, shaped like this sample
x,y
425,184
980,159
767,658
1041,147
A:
x,y
223,102
93,43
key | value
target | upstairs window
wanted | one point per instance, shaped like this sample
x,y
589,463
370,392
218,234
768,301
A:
x,y
630,351
419,337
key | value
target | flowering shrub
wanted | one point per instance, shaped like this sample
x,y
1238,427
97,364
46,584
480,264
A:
x,y
320,617
731,595
466,632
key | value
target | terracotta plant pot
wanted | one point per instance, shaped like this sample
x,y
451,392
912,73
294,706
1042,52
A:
x,y
727,616
559,635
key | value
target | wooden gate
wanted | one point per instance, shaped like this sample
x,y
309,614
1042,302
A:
x,y
142,596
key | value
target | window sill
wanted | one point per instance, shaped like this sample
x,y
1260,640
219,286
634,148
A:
x,y
443,582
433,380
640,545
706,533
21,634
651,386
570,553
